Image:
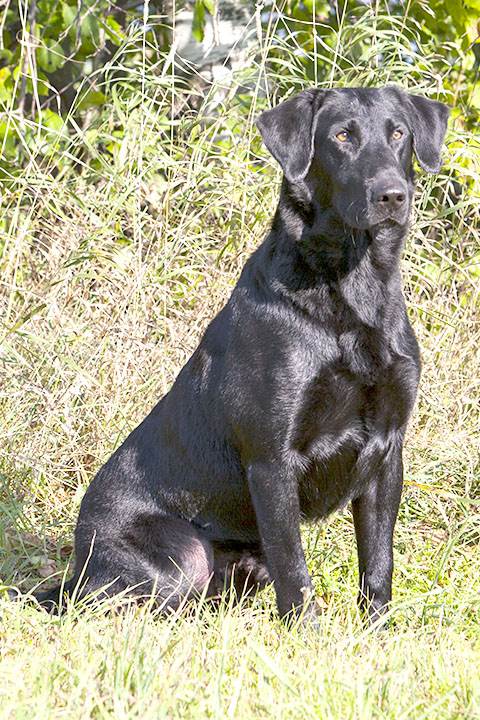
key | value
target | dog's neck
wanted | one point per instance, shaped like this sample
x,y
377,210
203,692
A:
x,y
314,257
331,248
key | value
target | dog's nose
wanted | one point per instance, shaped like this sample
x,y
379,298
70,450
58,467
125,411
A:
x,y
390,196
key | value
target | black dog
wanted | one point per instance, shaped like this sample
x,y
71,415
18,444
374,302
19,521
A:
x,y
297,398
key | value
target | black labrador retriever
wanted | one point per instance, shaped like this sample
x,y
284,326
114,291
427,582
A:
x,y
297,398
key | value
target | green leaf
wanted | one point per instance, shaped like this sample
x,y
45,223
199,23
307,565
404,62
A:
x,y
198,24
69,14
90,30
53,121
114,30
5,84
473,4
8,136
50,56
6,55
43,87
93,98
210,6
89,23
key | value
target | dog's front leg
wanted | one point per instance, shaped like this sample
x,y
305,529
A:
x,y
374,514
274,493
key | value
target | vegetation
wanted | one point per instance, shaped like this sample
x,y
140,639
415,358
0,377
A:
x,y
133,188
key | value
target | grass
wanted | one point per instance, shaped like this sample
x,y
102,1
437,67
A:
x,y
116,250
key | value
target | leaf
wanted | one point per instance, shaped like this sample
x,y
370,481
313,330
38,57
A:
x,y
92,98
8,136
43,86
472,4
47,568
54,122
50,56
5,84
89,30
210,6
66,551
198,24
69,14
113,30
6,55
88,23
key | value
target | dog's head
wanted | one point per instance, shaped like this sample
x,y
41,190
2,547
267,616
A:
x,y
354,147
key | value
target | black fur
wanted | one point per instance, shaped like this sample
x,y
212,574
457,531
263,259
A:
x,y
297,398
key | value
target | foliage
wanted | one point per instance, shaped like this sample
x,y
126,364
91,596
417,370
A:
x,y
56,56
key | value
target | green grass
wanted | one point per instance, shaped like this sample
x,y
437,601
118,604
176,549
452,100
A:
x,y
112,262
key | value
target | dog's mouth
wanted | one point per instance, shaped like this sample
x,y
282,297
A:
x,y
398,218
362,216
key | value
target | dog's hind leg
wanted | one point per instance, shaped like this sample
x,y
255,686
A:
x,y
242,570
150,556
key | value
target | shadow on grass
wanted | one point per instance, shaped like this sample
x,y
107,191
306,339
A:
x,y
27,557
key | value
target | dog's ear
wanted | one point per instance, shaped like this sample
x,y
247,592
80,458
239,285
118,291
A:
x,y
429,123
288,131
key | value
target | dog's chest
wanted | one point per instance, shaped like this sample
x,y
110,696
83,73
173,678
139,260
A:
x,y
352,396
332,408
338,378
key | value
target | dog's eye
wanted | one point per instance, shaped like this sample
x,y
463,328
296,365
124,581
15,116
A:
x,y
397,134
342,136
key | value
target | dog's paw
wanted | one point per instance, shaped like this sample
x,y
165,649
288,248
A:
x,y
376,615
8,593
308,617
